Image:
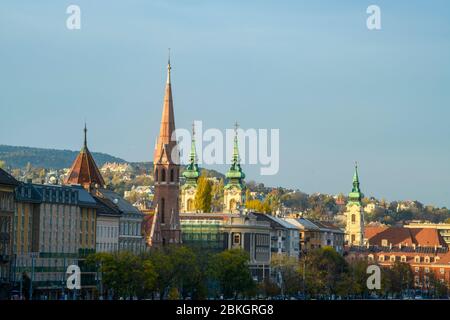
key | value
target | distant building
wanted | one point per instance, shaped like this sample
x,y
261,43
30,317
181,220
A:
x,y
108,224
284,236
443,228
55,226
216,232
318,234
125,227
7,209
115,167
423,249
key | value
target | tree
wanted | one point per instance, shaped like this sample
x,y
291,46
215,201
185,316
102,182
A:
x,y
203,196
2,164
287,269
186,272
230,269
258,206
164,269
324,270
217,196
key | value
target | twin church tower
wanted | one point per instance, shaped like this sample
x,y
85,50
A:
x,y
167,177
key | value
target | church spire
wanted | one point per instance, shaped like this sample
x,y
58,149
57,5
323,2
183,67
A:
x,y
235,174
356,195
192,171
165,144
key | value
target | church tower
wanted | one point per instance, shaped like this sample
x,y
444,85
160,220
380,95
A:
x,y
354,231
191,174
234,190
166,172
84,171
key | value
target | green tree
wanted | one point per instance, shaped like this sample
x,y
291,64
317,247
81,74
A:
x,y
203,196
288,271
2,164
230,269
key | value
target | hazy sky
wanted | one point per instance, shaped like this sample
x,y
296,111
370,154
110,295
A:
x,y
337,91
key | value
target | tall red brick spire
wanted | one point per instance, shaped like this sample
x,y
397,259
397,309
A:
x,y
84,171
166,171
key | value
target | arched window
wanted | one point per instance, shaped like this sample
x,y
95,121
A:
x,y
156,175
163,175
353,218
190,205
162,210
171,175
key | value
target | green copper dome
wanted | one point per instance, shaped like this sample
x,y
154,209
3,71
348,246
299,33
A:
x,y
192,172
356,195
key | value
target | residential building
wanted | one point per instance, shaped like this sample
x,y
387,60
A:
x,y
108,217
7,208
216,232
443,228
55,226
423,249
284,236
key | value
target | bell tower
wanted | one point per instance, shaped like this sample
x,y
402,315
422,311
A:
x,y
354,231
166,172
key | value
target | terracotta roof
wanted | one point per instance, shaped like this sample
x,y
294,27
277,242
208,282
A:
x,y
165,144
84,170
404,236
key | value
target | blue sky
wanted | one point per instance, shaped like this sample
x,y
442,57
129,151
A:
x,y
337,91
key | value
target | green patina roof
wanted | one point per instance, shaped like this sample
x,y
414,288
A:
x,y
356,195
235,175
192,172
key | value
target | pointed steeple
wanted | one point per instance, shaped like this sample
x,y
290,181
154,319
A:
x,y
167,127
192,172
84,170
356,195
235,174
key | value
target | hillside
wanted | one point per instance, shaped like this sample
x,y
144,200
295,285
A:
x,y
18,157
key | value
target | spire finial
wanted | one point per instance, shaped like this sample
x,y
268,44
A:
x,y
168,68
85,135
193,130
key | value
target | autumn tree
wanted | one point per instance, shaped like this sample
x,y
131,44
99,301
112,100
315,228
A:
x,y
203,196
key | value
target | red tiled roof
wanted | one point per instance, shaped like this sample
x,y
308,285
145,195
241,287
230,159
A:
x,y
424,237
84,171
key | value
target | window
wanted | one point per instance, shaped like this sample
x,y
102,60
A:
x,y
392,258
442,271
381,258
171,175
370,257
416,269
384,243
163,175
427,270
417,259
236,238
403,259
353,219
427,259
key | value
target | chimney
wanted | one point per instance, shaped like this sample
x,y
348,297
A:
x,y
414,246
390,245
